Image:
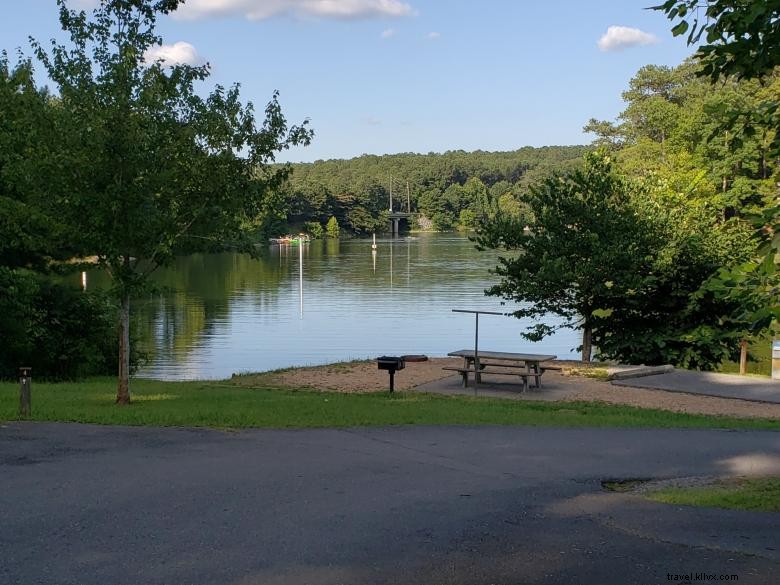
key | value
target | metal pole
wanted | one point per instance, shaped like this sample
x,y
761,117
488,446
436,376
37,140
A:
x,y
477,377
25,399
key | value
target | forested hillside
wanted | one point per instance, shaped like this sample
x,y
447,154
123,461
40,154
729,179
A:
x,y
447,189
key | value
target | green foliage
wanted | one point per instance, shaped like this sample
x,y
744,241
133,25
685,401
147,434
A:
x,y
583,237
440,186
620,262
60,332
332,228
30,237
741,41
741,36
753,285
314,229
141,167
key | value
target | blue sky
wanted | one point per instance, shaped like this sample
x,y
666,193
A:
x,y
384,76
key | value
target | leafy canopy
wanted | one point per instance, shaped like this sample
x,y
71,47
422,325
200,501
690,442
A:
x,y
142,167
619,261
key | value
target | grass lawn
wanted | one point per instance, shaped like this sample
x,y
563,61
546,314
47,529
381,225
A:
x,y
225,405
739,494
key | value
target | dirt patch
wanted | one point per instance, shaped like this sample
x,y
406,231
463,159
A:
x,y
353,377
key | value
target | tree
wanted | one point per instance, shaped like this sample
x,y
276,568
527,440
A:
x,y
620,261
608,135
581,241
144,168
332,228
741,36
314,229
31,237
741,40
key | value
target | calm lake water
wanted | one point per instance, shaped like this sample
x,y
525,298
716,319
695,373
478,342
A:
x,y
326,301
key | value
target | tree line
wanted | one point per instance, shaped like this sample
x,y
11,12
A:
x,y
448,190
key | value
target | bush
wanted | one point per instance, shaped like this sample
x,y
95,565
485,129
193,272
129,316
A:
x,y
60,332
314,229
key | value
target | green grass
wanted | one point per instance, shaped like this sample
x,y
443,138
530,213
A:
x,y
226,405
760,364
737,494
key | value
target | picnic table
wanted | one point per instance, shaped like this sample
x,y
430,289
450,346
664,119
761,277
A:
x,y
529,364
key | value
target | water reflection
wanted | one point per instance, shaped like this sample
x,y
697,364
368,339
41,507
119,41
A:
x,y
320,302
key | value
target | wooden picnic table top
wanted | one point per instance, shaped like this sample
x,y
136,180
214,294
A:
x,y
503,355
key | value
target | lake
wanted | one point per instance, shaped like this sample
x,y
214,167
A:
x,y
323,302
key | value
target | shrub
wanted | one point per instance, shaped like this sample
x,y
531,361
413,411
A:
x,y
314,229
60,332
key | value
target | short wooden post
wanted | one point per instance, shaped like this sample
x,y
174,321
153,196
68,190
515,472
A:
x,y
743,346
25,400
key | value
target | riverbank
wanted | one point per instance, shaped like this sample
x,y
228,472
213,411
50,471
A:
x,y
241,403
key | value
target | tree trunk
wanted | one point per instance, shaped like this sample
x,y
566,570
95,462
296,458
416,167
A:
x,y
123,385
586,343
743,351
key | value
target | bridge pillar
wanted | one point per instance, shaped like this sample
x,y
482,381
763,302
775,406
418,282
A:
x,y
395,226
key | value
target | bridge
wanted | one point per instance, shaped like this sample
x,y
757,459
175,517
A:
x,y
397,216
395,220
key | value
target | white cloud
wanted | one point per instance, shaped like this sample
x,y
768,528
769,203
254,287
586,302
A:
x,y
433,35
262,9
622,37
180,53
387,33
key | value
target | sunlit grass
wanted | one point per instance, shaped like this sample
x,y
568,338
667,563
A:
x,y
740,494
228,405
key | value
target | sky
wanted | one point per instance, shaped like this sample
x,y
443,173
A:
x,y
387,76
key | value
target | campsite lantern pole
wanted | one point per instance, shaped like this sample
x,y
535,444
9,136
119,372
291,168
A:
x,y
477,378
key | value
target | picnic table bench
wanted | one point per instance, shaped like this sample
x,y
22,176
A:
x,y
523,365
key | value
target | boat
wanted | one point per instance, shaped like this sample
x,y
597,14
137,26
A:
x,y
289,240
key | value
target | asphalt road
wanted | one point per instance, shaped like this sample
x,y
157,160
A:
x,y
416,505
751,388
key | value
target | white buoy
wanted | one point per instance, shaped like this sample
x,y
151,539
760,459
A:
x,y
373,245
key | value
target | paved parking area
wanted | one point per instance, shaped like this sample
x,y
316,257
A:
x,y
430,505
710,384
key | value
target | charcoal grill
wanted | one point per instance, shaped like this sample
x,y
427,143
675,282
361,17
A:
x,y
394,363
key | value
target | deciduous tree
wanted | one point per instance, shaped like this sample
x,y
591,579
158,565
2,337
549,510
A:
x,y
145,167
